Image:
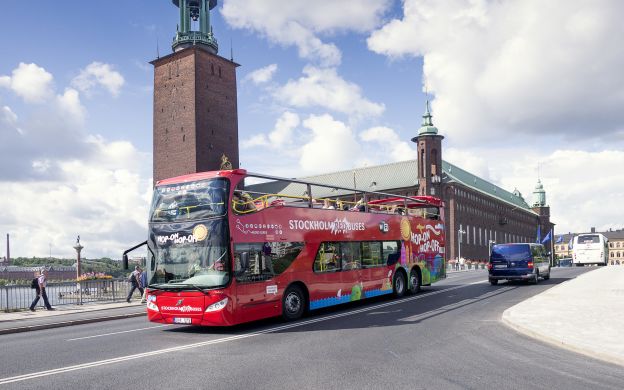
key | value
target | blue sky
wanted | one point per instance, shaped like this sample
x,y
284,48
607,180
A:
x,y
513,85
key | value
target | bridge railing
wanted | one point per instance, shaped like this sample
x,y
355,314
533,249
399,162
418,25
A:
x,y
18,297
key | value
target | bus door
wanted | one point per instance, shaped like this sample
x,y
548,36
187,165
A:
x,y
351,279
257,294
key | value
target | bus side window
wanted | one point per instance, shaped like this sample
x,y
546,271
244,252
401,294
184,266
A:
x,y
391,252
371,254
327,258
250,263
351,256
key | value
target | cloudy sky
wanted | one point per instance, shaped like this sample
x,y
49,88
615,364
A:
x,y
324,85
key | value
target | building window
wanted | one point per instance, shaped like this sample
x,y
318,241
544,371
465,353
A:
x,y
467,234
474,235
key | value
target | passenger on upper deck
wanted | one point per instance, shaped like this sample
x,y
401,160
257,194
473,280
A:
x,y
242,202
327,205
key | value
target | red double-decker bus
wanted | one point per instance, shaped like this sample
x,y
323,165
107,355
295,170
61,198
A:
x,y
229,246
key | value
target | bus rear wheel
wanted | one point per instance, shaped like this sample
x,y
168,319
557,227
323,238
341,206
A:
x,y
398,285
293,303
414,281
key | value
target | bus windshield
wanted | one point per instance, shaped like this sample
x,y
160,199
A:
x,y
589,239
191,254
193,200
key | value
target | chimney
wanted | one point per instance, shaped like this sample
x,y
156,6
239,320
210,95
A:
x,y
8,257
593,230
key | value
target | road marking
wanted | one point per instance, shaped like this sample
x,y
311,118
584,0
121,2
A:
x,y
456,305
56,371
120,332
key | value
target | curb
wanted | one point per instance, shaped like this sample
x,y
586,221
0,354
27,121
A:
x,y
560,343
61,324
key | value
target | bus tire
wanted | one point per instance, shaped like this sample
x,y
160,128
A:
x,y
547,276
398,284
293,303
493,282
414,281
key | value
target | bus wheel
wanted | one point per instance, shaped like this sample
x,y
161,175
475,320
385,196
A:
x,y
293,303
414,282
398,286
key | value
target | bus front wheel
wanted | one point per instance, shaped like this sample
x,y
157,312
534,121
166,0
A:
x,y
293,303
398,286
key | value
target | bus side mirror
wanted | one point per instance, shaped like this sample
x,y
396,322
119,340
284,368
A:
x,y
124,263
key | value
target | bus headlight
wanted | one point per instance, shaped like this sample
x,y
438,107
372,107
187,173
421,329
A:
x,y
151,303
217,305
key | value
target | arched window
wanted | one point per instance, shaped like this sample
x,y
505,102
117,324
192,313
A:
x,y
434,162
422,162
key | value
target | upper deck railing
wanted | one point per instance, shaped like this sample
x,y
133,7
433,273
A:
x,y
276,191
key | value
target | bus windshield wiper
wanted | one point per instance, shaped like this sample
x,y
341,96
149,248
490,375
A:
x,y
196,287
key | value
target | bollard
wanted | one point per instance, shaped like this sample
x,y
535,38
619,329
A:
x,y
113,284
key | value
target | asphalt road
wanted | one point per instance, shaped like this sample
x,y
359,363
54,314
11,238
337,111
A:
x,y
448,337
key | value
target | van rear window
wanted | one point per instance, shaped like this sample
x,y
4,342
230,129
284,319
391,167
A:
x,y
511,252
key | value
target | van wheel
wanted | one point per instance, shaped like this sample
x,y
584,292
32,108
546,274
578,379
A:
x,y
398,285
493,282
293,303
535,278
547,276
414,282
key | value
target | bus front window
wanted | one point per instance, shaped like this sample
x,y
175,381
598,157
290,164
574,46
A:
x,y
186,201
191,254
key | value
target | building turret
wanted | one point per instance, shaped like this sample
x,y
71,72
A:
x,y
195,10
539,195
429,146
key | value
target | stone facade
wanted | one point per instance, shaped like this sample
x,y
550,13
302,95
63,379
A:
x,y
195,113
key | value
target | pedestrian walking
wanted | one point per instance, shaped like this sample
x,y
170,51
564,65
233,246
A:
x,y
42,282
143,286
135,282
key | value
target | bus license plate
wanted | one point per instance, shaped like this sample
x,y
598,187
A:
x,y
181,320
500,265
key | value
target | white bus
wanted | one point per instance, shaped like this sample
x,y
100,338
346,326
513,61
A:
x,y
590,248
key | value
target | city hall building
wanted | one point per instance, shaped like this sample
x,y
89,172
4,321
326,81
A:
x,y
196,123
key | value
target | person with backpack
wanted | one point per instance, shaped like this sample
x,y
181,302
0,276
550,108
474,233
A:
x,y
135,282
39,283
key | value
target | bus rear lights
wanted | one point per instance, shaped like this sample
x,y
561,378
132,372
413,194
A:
x,y
489,265
530,264
151,305
217,306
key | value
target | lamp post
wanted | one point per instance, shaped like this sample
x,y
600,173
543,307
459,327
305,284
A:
x,y
78,248
460,234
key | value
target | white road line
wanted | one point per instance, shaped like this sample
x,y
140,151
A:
x,y
120,332
34,375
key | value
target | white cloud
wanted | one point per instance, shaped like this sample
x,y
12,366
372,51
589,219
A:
x,y
30,82
69,104
298,22
507,70
8,116
323,87
262,75
332,146
103,198
388,145
283,133
97,73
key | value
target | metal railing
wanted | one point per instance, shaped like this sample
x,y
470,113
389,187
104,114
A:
x,y
66,293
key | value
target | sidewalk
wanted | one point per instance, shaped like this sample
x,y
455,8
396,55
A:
x,y
67,315
585,315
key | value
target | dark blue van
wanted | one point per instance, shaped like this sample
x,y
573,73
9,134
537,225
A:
x,y
518,262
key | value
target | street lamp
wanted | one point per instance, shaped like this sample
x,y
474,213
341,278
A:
x,y
460,234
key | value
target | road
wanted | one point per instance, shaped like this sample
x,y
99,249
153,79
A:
x,y
448,337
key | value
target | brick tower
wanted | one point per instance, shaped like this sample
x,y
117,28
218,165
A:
x,y
429,147
195,102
